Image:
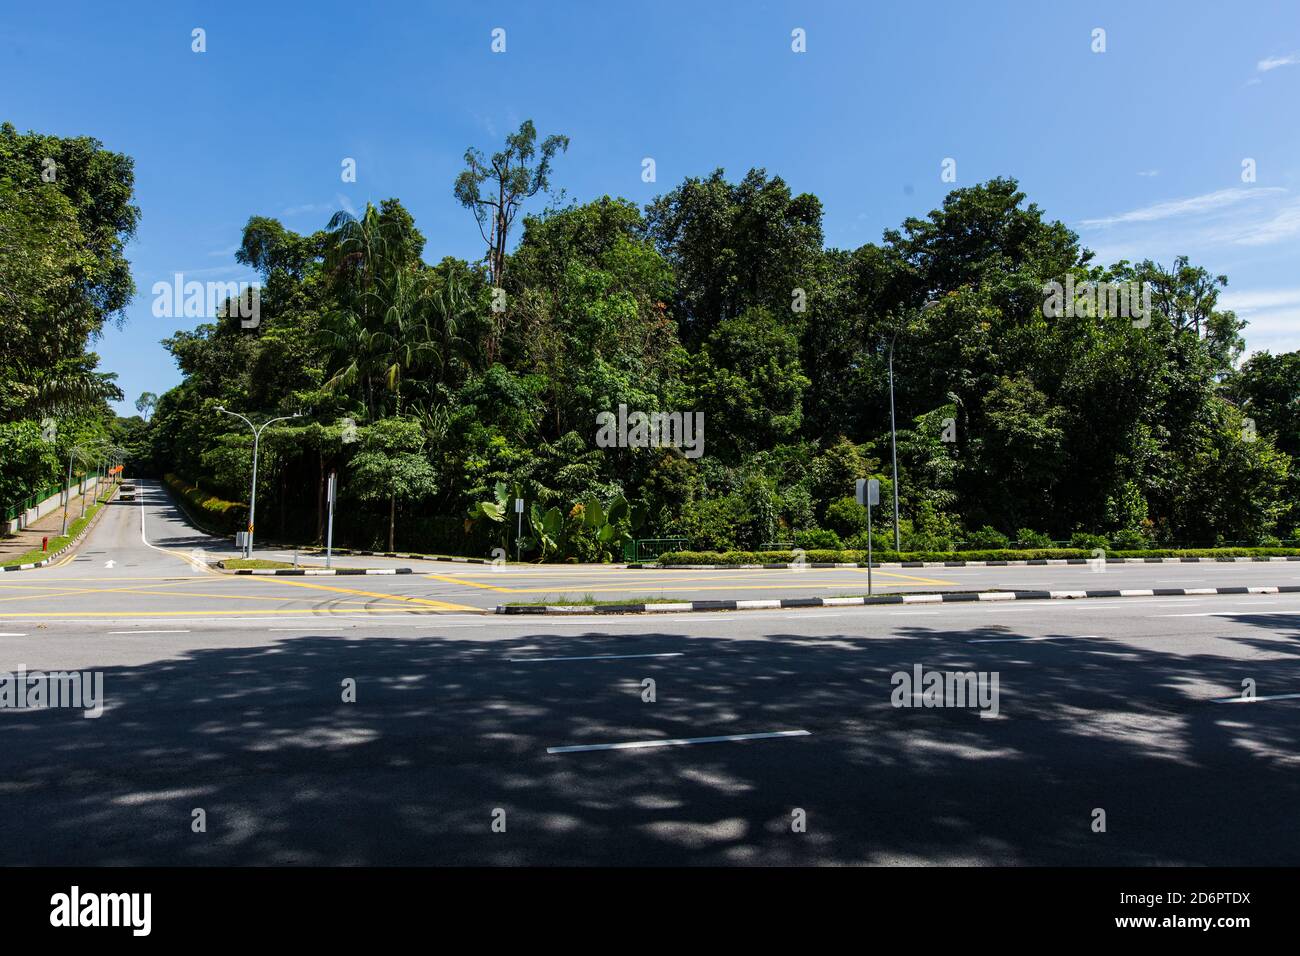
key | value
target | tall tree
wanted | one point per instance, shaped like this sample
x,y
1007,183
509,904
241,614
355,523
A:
x,y
495,189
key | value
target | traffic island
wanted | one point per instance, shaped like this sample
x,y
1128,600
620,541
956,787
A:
x,y
947,597
259,566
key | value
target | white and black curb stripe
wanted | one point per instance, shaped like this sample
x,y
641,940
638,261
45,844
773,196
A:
x,y
1037,562
942,598
303,572
409,556
67,547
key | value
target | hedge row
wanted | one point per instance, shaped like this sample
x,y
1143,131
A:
x,y
855,557
225,516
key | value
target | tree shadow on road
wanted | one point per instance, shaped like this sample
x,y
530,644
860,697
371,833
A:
x,y
448,728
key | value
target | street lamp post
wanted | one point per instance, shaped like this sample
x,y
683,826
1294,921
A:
x,y
893,439
893,431
252,496
67,492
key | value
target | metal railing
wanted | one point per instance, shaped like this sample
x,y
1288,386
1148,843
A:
x,y
647,549
17,508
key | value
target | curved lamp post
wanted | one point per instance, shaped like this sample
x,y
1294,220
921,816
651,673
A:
x,y
252,496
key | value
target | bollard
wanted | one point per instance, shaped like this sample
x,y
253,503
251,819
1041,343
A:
x,y
45,543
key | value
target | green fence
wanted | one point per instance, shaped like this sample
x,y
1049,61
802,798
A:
x,y
12,511
648,549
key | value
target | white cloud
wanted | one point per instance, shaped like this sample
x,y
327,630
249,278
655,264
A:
x,y
1148,172
1274,62
1273,316
1184,207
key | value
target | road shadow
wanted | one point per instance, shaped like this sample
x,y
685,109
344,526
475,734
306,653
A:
x,y
448,729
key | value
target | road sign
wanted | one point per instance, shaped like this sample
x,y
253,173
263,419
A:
x,y
868,491
519,506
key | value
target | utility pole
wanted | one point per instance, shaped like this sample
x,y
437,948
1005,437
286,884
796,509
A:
x,y
330,490
893,439
252,496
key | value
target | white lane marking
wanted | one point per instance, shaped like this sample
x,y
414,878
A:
x,y
1045,637
1252,700
596,657
148,632
194,563
9,634
676,742
323,627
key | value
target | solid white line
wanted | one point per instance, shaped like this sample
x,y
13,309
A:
x,y
597,657
1252,700
8,634
148,632
676,742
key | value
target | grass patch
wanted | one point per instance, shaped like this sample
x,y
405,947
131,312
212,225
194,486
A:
x,y
588,600
241,564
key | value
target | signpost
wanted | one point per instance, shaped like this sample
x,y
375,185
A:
x,y
868,491
519,530
329,532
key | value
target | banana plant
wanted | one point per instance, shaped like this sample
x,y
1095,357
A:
x,y
547,528
494,511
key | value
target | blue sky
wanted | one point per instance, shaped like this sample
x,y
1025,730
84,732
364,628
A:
x,y
1139,148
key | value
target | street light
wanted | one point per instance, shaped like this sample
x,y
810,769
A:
x,y
893,431
73,452
252,497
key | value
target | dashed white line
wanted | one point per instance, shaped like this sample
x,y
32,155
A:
x,y
676,742
1252,700
134,631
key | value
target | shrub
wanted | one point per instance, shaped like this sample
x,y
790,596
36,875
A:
x,y
223,516
846,517
817,539
714,524
1029,538
1130,539
1089,542
986,538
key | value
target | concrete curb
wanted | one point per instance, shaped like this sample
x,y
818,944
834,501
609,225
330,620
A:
x,y
305,572
409,555
942,598
774,566
90,526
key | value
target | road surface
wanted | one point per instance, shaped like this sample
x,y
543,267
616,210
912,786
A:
x,y
226,696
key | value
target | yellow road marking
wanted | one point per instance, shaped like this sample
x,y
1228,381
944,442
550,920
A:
x,y
906,577
299,612
441,605
474,584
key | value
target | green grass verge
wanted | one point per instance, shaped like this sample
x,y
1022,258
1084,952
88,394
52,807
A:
x,y
59,541
239,564
588,600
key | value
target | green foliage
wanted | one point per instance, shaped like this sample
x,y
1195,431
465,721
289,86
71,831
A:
x,y
986,538
817,538
718,297
1029,538
209,511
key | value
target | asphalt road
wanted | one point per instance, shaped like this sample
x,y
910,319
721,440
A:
x,y
225,695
